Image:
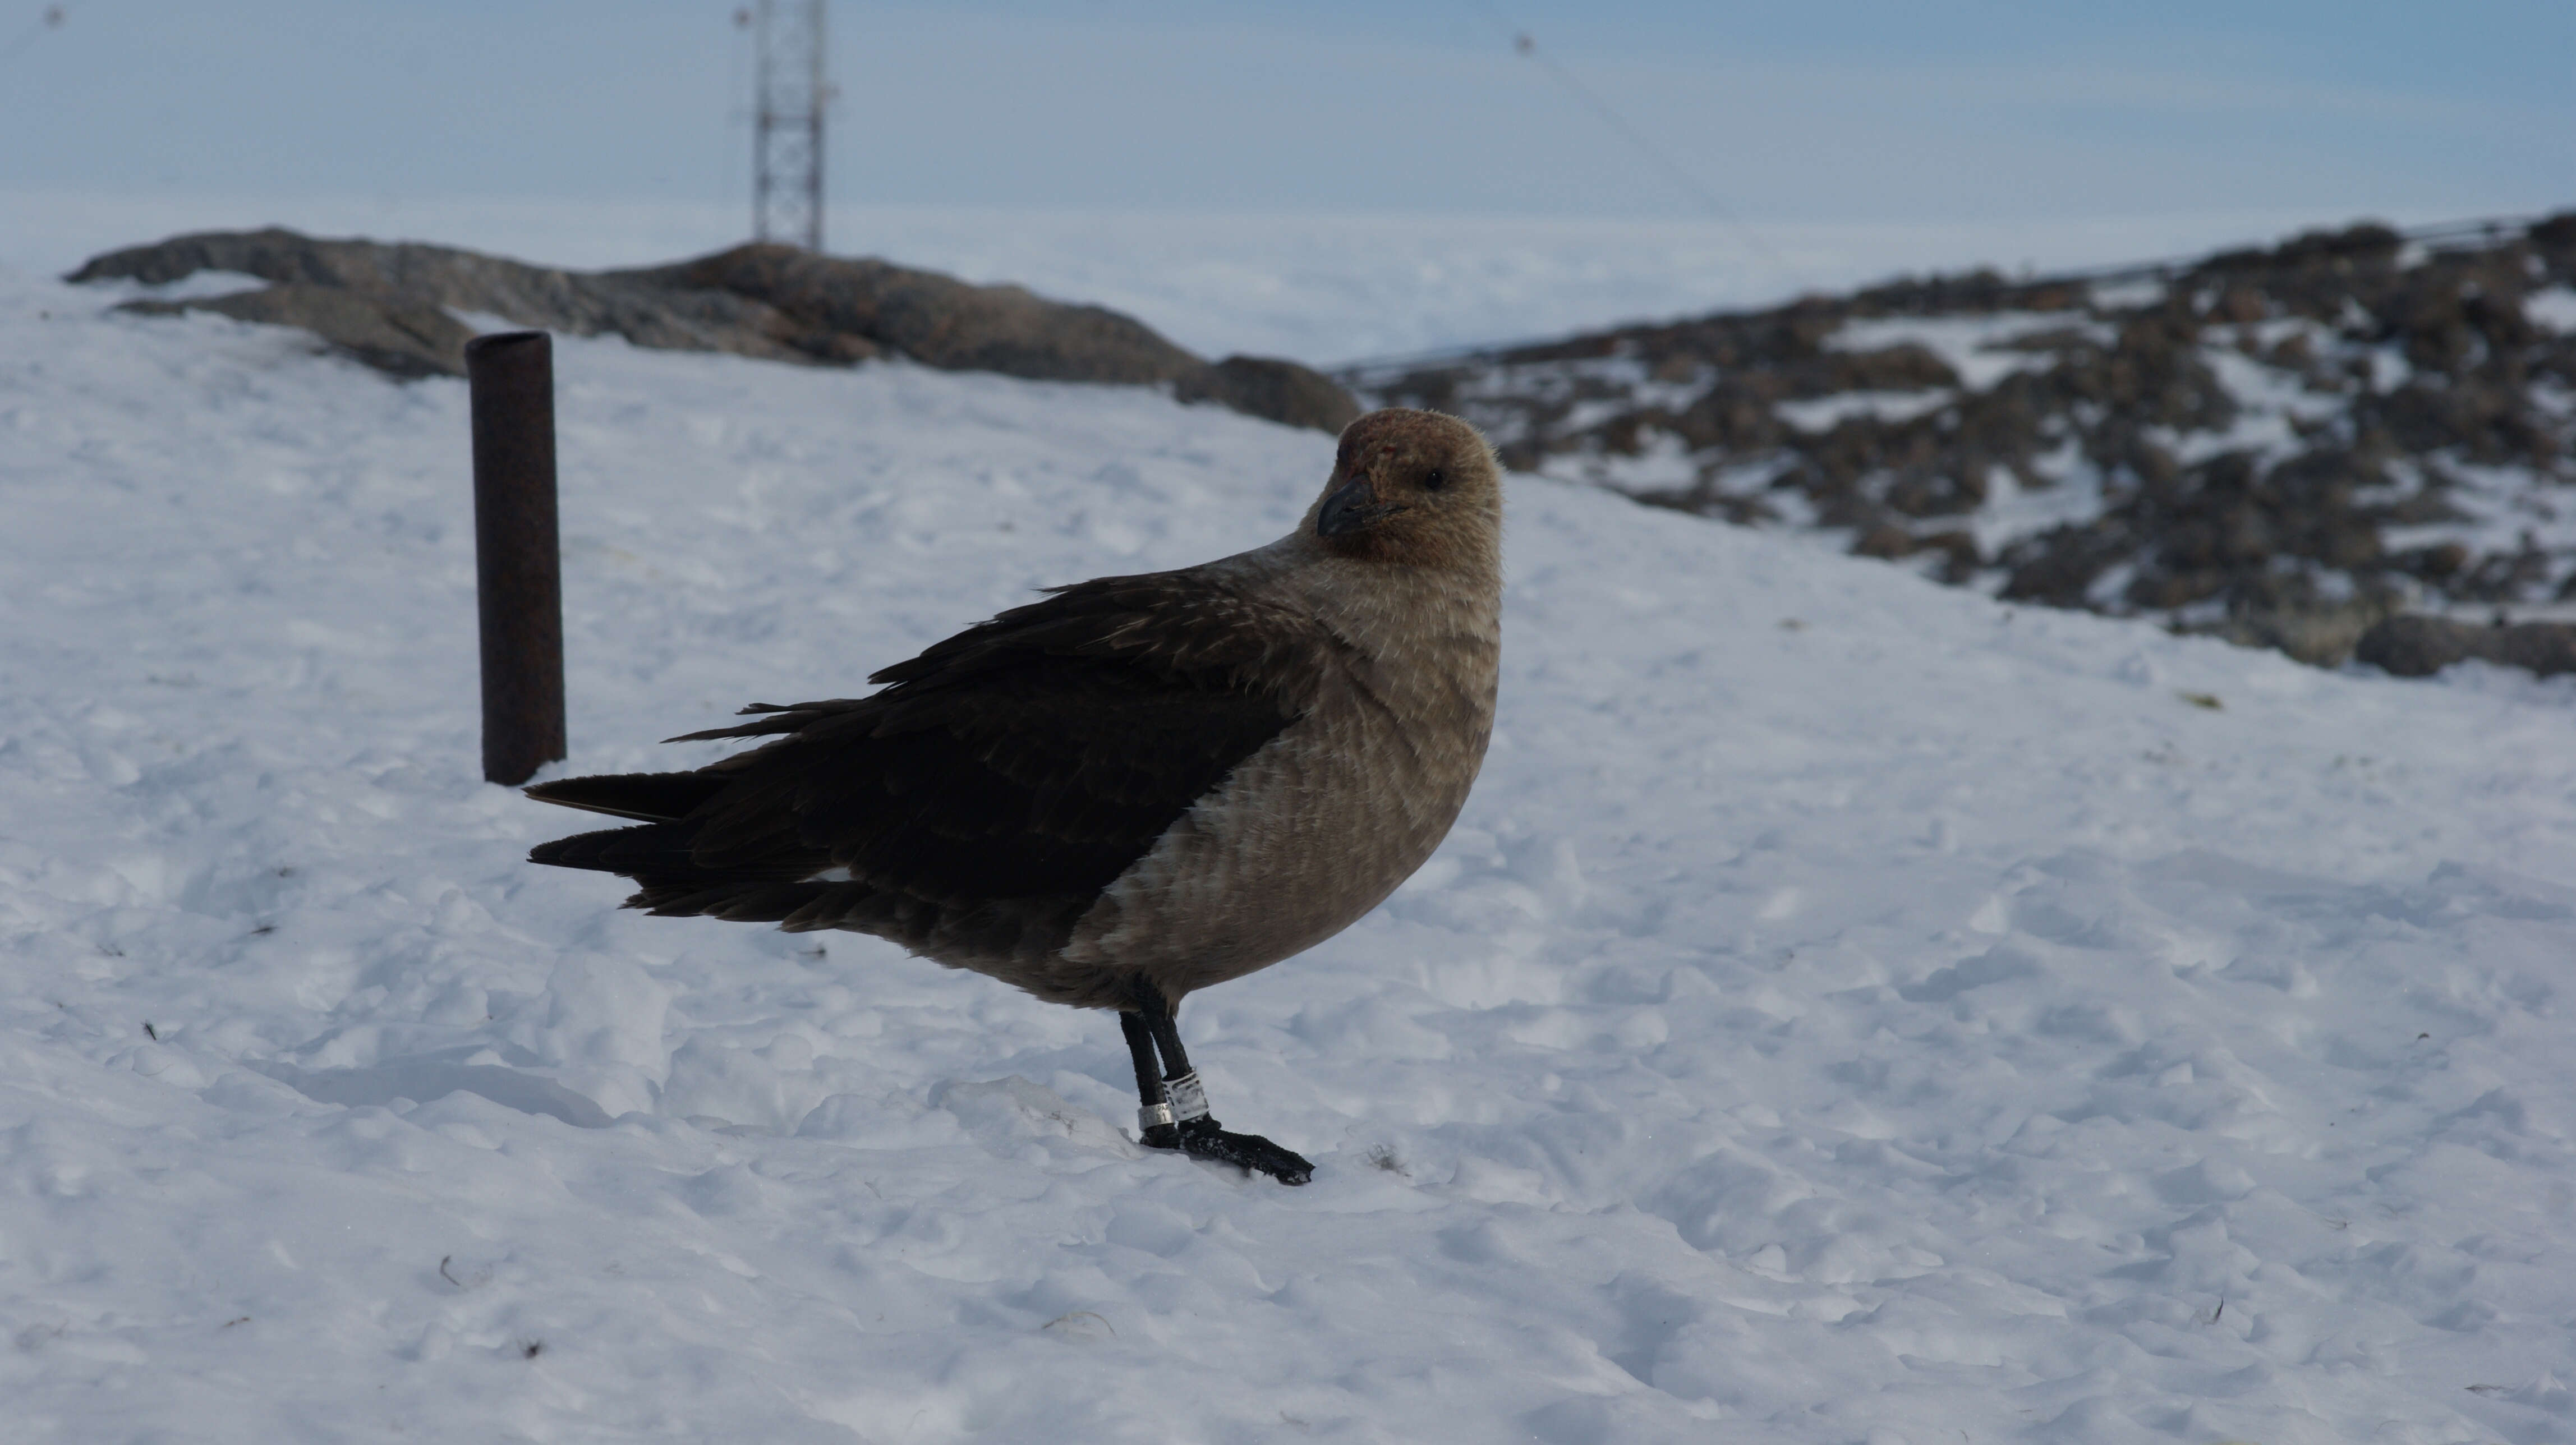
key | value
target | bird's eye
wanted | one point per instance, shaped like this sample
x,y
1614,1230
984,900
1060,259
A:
x,y
1434,479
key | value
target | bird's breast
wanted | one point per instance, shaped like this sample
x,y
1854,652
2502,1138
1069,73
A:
x,y
1308,833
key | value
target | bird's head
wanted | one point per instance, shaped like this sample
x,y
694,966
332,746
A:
x,y
1413,487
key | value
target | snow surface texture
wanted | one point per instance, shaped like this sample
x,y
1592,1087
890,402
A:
x,y
1849,1010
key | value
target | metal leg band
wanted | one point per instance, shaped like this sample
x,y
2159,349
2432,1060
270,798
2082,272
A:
x,y
1189,1101
1158,1116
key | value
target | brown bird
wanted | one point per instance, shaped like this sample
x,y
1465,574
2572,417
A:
x,y
1136,788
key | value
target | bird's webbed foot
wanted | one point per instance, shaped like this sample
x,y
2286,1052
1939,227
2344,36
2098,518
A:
x,y
1200,1138
1175,1113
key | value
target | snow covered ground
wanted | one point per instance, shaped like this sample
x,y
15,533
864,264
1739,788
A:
x,y
1849,1010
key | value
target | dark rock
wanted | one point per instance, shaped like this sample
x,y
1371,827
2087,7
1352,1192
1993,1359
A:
x,y
1280,391
1886,540
2317,631
2556,234
934,319
1894,368
2415,646
1733,416
390,305
2547,648
2059,566
1961,557
2443,559
2239,305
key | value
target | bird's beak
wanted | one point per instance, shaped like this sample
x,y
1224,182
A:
x,y
1352,508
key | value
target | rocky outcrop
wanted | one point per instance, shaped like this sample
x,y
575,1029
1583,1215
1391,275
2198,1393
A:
x,y
2279,445
2415,646
394,306
1280,390
934,319
404,338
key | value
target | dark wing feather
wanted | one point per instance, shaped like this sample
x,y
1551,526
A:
x,y
1037,755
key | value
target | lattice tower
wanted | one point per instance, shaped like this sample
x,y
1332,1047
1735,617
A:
x,y
787,129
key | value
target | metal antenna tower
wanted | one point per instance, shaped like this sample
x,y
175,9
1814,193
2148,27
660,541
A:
x,y
787,133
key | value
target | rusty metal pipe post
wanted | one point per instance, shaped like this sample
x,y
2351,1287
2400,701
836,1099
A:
x,y
518,565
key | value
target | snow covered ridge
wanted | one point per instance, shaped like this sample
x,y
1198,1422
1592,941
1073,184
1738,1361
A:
x,y
1849,1009
2279,446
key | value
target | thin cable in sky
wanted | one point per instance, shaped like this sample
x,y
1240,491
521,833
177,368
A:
x,y
1661,159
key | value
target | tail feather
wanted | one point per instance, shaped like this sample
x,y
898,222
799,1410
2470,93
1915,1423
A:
x,y
658,856
653,848
769,718
661,854
645,797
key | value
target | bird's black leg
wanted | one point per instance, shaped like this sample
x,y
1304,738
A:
x,y
1156,1120
1177,1096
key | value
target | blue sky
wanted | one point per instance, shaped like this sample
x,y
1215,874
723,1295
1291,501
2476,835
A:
x,y
1847,110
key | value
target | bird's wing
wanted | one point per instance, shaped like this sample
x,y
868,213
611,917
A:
x,y
1040,753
